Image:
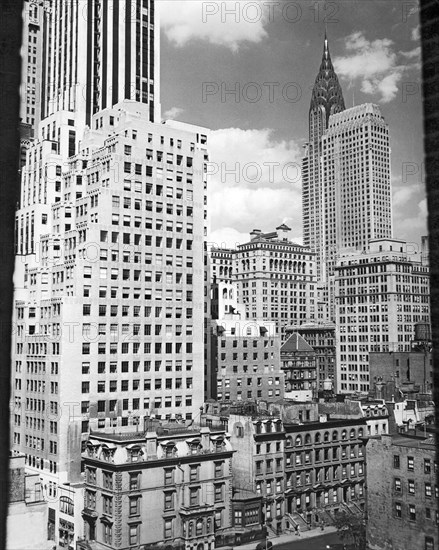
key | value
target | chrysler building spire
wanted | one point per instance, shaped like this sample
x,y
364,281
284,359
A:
x,y
327,94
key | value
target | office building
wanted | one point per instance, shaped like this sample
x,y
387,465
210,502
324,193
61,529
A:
x,y
346,185
326,100
379,296
99,53
34,18
402,493
109,284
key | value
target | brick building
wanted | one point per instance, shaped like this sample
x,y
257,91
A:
x,y
298,361
324,468
321,337
402,493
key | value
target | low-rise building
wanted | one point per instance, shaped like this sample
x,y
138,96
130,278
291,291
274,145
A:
x,y
402,493
27,518
324,468
171,484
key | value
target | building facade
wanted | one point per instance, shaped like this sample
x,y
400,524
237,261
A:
x,y
247,360
275,277
171,485
402,495
324,468
27,507
298,362
379,296
321,337
109,284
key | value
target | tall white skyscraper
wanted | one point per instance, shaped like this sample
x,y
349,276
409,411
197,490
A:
x,y
356,181
346,188
111,258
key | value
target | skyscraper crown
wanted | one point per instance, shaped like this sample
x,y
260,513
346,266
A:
x,y
327,93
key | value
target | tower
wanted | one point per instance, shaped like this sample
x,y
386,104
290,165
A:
x,y
326,99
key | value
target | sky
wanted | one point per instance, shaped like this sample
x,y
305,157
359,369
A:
x,y
246,69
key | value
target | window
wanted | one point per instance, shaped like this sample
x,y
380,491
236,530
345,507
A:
x,y
169,477
194,473
412,512
410,463
428,489
219,493
134,531
169,501
107,479
398,510
411,486
427,466
134,481
396,461
134,506
429,543
193,496
168,529
107,503
397,485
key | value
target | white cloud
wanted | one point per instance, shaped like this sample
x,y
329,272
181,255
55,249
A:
x,y
214,22
255,183
173,113
402,195
376,64
416,33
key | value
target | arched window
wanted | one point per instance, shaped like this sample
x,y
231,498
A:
x,y
317,437
298,441
352,434
360,432
334,435
225,293
307,439
326,437
199,527
344,434
191,529
66,505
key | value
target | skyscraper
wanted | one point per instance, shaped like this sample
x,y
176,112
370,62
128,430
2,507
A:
x,y
88,55
110,240
327,99
346,176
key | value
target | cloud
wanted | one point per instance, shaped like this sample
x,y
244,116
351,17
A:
x,y
173,113
375,64
254,182
416,33
402,195
225,23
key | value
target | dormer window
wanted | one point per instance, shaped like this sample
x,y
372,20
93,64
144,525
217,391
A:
x,y
135,453
170,450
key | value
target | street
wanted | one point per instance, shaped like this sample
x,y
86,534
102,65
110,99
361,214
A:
x,y
314,543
